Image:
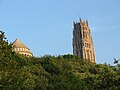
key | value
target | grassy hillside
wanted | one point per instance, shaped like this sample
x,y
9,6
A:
x,y
64,72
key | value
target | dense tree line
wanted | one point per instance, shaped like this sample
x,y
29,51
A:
x,y
63,72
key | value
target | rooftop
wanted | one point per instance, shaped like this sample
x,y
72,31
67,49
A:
x,y
18,44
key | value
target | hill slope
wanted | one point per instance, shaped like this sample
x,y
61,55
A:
x,y
65,72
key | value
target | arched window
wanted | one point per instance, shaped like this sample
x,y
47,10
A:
x,y
90,55
89,46
83,34
84,54
86,35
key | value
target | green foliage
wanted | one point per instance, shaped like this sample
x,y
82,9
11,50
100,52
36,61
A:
x,y
63,72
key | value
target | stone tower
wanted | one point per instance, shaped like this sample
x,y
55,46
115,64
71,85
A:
x,y
82,41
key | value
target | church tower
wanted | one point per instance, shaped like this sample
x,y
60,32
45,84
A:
x,y
82,41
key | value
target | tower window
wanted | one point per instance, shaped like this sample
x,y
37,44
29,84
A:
x,y
86,34
89,46
83,34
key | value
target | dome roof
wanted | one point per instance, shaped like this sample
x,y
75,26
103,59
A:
x,y
18,44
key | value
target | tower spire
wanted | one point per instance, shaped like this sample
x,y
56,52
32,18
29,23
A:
x,y
87,22
80,20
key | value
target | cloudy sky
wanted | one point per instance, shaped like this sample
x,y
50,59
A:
x,y
46,26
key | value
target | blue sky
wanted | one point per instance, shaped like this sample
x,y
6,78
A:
x,y
46,26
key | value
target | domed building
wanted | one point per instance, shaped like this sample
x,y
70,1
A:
x,y
20,48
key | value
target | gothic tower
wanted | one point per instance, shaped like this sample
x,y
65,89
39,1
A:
x,y
82,41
